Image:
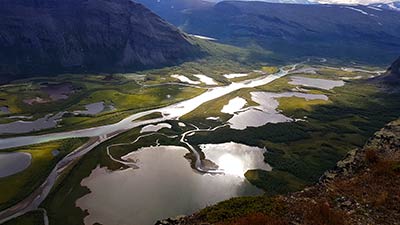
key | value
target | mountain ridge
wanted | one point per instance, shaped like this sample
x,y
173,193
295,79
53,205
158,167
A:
x,y
294,30
39,36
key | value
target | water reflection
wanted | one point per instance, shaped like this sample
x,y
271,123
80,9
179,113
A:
x,y
266,111
164,186
235,159
316,82
14,162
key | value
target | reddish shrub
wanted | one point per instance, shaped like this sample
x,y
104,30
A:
x,y
384,168
371,156
257,219
322,214
381,199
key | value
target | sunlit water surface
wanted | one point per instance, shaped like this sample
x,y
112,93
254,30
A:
x,y
165,185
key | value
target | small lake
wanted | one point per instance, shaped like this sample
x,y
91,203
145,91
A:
x,y
4,109
92,109
14,162
235,75
267,110
22,126
164,185
234,105
155,128
316,82
235,159
205,79
184,79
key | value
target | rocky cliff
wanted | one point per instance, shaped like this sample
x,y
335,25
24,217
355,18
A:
x,y
391,79
53,36
395,67
364,188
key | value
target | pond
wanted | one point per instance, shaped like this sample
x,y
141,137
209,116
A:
x,y
92,109
234,105
4,109
316,82
13,163
155,128
165,185
267,110
205,79
22,126
234,158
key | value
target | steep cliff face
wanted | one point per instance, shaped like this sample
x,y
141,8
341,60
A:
x,y
391,79
395,67
41,36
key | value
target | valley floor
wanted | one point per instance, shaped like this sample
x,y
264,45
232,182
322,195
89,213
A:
x,y
307,117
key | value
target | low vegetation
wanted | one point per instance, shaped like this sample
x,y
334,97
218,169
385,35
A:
x,y
29,218
16,187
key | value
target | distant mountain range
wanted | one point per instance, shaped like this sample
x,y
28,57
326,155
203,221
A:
x,y
380,3
391,6
46,36
273,1
174,10
347,32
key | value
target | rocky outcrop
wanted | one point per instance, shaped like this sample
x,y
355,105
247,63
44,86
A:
x,y
54,36
384,143
179,220
391,79
395,67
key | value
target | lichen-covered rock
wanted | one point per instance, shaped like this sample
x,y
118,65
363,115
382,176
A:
x,y
179,220
385,143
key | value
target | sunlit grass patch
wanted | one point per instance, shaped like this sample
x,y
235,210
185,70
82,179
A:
x,y
291,105
270,69
278,85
